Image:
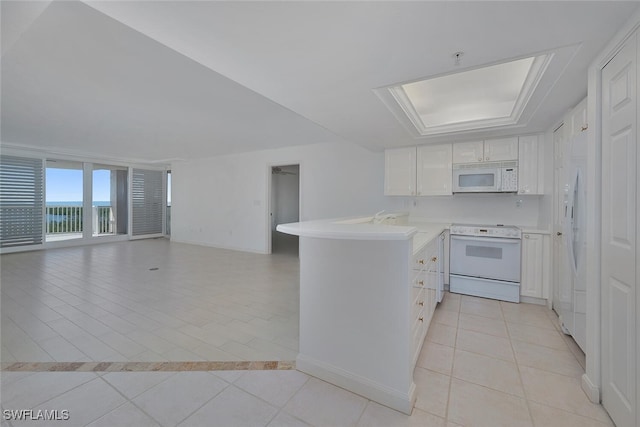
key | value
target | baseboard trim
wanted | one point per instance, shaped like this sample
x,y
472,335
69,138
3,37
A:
x,y
592,392
377,392
212,245
533,300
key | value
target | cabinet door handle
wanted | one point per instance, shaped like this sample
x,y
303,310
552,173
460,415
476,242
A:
x,y
479,159
559,233
526,236
421,303
421,282
420,261
487,158
583,128
421,319
434,259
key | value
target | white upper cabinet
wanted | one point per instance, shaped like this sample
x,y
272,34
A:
x,y
530,165
503,149
400,172
468,152
434,170
490,150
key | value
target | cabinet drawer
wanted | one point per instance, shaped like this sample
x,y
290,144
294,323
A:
x,y
419,302
419,279
420,261
417,336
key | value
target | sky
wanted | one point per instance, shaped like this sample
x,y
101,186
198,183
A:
x,y
65,185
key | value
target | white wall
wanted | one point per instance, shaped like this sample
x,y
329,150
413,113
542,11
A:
x,y
221,201
285,196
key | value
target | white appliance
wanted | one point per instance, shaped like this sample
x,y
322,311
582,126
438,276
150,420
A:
x,y
489,177
572,307
485,261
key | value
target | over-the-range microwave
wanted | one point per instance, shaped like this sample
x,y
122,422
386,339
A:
x,y
488,177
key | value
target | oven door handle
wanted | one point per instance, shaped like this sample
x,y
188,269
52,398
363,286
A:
x,y
486,239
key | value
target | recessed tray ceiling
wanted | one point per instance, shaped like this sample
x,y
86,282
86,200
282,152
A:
x,y
490,96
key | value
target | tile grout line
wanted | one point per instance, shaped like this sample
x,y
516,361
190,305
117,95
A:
x,y
524,391
281,409
455,346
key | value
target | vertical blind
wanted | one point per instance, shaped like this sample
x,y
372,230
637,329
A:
x,y
21,201
147,202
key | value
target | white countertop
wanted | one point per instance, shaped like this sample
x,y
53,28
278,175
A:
x,y
360,228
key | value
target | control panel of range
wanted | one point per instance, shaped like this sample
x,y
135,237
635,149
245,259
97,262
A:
x,y
486,230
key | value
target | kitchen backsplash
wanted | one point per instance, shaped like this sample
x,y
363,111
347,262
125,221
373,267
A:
x,y
475,208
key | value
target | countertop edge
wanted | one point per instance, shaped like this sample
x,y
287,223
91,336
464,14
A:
x,y
328,230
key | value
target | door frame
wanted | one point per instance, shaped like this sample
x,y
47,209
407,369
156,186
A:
x,y
592,379
269,187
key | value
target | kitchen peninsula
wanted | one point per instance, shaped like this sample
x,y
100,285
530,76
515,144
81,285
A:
x,y
368,289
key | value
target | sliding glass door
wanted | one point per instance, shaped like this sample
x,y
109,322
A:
x,y
59,202
109,207
64,219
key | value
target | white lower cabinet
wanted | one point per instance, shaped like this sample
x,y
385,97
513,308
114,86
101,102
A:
x,y
426,275
534,281
365,307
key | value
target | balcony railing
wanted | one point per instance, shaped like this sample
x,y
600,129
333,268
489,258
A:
x,y
68,219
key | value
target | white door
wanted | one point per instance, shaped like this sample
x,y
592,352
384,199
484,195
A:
x,y
434,170
619,237
561,278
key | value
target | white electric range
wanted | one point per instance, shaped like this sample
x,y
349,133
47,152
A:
x,y
485,261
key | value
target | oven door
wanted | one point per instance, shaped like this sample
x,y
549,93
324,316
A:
x,y
477,180
486,257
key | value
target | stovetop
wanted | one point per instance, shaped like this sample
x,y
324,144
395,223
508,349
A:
x,y
495,230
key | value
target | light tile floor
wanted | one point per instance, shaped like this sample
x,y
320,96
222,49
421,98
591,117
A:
x,y
148,300
484,363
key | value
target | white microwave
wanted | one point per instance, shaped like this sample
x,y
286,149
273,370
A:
x,y
488,177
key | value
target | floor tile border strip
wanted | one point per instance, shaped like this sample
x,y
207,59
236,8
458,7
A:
x,y
146,366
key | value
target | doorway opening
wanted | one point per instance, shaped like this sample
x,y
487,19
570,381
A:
x,y
284,207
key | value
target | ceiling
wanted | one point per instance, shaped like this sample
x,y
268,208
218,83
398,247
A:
x,y
154,81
